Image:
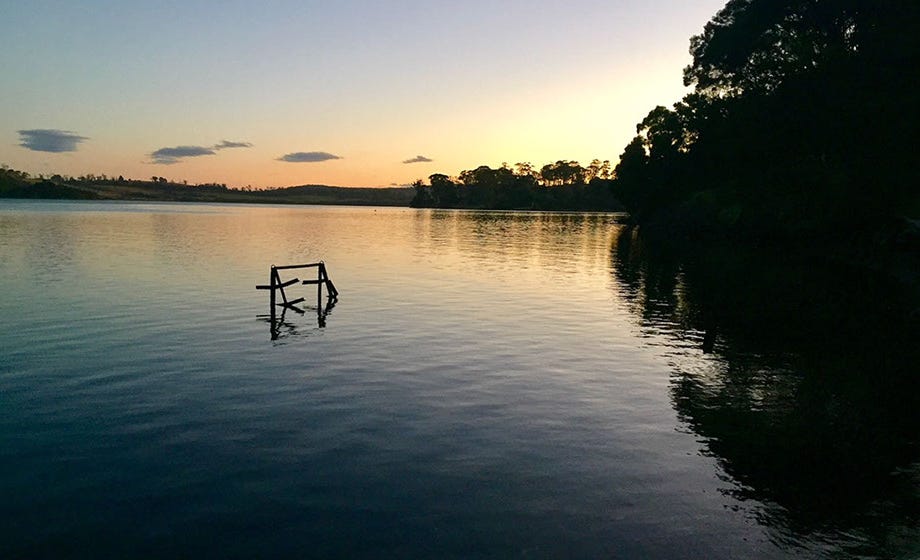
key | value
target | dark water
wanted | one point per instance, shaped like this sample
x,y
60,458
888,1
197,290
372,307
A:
x,y
488,385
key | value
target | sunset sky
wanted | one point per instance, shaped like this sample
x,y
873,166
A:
x,y
352,93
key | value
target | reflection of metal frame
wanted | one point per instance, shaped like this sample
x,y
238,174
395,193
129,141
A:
x,y
278,326
276,286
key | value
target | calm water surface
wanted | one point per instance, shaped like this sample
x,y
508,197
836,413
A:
x,y
488,385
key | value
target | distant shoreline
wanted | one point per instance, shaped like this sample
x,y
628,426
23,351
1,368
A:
x,y
150,191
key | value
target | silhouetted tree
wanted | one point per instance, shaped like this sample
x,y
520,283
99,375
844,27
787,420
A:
x,y
444,191
801,120
562,185
423,197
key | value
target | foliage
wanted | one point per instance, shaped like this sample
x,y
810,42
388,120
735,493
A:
x,y
801,121
19,184
563,185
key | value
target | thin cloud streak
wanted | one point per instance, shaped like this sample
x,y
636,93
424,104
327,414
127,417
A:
x,y
308,157
169,156
49,140
418,159
224,144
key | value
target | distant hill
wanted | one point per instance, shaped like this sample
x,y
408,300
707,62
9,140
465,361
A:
x,y
43,189
16,184
359,196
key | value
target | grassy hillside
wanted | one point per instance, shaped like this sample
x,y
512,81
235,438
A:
x,y
16,184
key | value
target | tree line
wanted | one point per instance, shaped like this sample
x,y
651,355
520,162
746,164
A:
x,y
563,185
20,184
802,120
12,177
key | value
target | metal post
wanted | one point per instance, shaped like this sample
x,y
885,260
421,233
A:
x,y
271,300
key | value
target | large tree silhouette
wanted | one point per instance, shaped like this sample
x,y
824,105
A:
x,y
801,121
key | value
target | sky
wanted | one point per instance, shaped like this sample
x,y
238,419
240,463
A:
x,y
345,92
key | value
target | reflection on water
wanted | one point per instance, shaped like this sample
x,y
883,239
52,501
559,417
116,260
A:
x,y
280,328
491,384
809,402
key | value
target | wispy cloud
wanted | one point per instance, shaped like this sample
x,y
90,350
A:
x,y
308,157
50,140
228,144
169,156
418,159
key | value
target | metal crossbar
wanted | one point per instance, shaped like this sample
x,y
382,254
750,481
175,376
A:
x,y
276,286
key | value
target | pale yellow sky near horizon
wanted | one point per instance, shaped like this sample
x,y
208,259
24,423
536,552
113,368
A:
x,y
462,85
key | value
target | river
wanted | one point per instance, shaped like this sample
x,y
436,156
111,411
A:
x,y
488,384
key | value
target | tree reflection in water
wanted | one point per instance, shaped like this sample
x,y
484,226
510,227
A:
x,y
809,400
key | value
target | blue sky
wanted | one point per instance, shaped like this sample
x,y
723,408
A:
x,y
372,84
